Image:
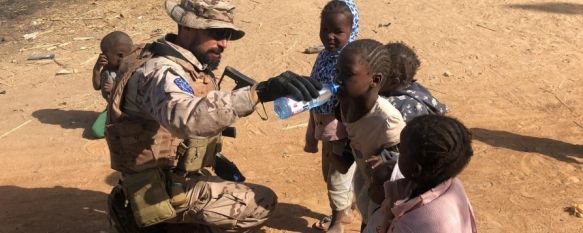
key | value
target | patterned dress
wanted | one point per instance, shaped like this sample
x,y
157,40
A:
x,y
415,101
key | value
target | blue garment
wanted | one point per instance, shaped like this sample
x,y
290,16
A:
x,y
415,101
324,70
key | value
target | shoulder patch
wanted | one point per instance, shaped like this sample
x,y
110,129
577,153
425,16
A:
x,y
183,85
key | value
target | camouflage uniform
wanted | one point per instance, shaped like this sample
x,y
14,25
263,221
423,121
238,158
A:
x,y
175,97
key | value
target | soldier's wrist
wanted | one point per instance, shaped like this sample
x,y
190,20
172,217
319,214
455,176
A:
x,y
253,94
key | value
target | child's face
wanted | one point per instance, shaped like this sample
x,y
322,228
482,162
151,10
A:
x,y
353,75
407,162
115,54
335,30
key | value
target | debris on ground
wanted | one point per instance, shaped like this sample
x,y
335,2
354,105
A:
x,y
41,56
314,49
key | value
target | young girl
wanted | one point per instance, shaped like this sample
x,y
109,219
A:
x,y
338,26
433,151
372,123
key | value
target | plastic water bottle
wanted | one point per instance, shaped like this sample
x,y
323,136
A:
x,y
285,107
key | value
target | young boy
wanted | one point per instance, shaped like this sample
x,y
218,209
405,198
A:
x,y
338,26
408,96
433,151
403,91
372,123
114,47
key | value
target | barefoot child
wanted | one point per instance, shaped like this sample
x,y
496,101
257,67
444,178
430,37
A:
x,y
433,151
114,47
339,26
403,91
372,123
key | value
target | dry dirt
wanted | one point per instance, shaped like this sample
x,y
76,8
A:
x,y
514,75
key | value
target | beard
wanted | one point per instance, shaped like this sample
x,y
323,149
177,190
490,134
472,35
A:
x,y
205,57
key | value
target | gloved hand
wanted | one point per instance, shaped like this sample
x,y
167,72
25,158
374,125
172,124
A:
x,y
288,84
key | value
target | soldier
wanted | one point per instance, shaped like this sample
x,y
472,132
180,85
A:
x,y
166,92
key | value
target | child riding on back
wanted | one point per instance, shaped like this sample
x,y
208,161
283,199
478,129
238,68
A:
x,y
405,92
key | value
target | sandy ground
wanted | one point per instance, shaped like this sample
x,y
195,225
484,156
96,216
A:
x,y
514,76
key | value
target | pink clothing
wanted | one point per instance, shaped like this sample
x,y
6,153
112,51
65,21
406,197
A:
x,y
323,128
444,209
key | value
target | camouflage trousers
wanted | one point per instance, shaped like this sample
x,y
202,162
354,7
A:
x,y
218,206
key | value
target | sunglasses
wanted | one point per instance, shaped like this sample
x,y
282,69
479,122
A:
x,y
220,33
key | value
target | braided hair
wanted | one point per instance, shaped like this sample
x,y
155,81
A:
x,y
440,144
405,64
375,54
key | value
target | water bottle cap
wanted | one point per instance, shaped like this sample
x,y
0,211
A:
x,y
334,88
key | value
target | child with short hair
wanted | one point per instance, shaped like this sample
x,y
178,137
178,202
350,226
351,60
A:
x,y
372,123
433,152
338,26
114,47
403,91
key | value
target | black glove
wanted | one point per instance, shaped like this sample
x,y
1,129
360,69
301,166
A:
x,y
288,84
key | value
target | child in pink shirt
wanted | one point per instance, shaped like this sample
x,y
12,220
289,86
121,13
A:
x,y
433,151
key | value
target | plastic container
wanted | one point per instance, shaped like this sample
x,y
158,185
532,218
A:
x,y
286,107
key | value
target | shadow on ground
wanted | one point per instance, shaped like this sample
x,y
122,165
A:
x,y
68,119
57,209
562,151
289,217
552,7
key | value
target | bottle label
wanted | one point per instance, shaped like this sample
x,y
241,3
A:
x,y
297,107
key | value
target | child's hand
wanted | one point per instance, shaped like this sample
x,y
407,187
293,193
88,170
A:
x,y
311,148
374,161
101,62
108,87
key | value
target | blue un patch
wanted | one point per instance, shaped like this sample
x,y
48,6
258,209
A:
x,y
183,85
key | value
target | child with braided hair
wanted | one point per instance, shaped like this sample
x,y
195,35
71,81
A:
x,y
434,150
372,123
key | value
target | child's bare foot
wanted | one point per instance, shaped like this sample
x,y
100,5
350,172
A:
x,y
339,218
323,224
336,228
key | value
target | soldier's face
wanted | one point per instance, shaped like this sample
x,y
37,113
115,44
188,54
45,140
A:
x,y
208,45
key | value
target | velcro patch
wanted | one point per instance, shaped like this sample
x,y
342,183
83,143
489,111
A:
x,y
183,85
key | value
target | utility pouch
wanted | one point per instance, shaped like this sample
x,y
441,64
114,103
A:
x,y
195,154
146,192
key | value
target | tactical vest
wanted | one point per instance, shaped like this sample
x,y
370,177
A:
x,y
136,143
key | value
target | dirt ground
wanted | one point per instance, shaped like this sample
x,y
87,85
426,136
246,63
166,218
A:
x,y
511,70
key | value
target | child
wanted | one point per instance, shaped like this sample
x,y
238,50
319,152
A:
x,y
409,97
339,26
114,47
372,123
403,91
434,150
